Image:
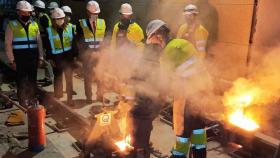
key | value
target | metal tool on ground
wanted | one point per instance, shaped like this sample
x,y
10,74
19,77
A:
x,y
56,126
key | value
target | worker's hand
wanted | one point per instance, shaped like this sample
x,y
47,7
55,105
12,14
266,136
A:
x,y
13,65
52,63
40,63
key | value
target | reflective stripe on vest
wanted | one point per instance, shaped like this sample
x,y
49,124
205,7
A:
x,y
92,40
199,137
201,45
20,39
181,147
55,40
187,69
49,19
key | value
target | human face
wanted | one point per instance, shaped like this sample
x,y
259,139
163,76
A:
x,y
59,22
92,16
190,18
24,15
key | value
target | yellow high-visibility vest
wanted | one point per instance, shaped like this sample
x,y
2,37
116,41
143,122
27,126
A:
x,y
20,38
134,34
200,35
55,41
181,57
93,40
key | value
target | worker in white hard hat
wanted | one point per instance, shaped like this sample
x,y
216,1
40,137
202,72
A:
x,y
44,21
42,18
52,5
127,31
23,46
61,50
180,63
68,13
193,31
91,32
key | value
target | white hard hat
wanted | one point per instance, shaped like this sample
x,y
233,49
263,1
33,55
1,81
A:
x,y
126,9
66,9
53,5
39,4
93,7
153,26
57,13
32,7
24,6
191,9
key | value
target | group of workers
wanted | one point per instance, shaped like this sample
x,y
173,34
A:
x,y
48,37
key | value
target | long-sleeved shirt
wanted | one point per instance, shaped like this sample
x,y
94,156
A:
x,y
9,42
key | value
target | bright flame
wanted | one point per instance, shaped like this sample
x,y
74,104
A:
x,y
239,119
243,95
124,144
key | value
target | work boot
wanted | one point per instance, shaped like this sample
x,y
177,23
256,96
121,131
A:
x,y
177,156
15,118
57,96
44,82
47,83
89,101
198,153
70,102
74,93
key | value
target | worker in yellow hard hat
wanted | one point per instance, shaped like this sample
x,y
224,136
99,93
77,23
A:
x,y
193,31
127,31
91,32
180,61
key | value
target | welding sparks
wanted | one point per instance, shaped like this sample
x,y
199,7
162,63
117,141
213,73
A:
x,y
239,119
123,145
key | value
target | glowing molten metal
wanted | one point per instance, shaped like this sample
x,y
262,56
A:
x,y
242,96
240,120
123,145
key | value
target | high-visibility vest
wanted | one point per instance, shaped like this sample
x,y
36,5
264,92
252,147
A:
x,y
22,40
55,41
134,34
180,56
39,24
200,35
91,39
49,19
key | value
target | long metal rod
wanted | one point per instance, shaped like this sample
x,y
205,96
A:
x,y
6,98
252,33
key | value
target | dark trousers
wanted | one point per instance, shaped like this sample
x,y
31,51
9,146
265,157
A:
x,y
193,122
26,74
90,60
140,125
63,64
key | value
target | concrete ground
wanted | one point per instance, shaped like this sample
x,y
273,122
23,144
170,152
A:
x,y
60,144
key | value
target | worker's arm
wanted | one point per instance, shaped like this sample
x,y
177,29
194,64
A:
x,y
114,36
102,44
9,44
74,44
181,31
44,22
40,46
79,31
47,46
136,35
